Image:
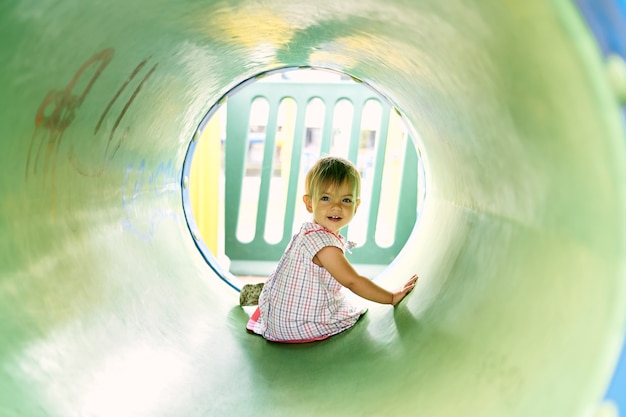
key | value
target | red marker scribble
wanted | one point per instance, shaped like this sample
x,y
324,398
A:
x,y
91,169
51,124
58,110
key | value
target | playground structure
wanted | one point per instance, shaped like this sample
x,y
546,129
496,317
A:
x,y
108,309
274,131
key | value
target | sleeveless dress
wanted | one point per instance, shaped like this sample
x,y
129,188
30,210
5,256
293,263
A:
x,y
301,301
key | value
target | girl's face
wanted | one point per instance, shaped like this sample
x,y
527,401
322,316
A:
x,y
334,206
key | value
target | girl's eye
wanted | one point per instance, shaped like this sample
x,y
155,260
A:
x,y
325,198
347,200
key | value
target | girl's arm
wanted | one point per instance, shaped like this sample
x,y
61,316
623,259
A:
x,y
335,262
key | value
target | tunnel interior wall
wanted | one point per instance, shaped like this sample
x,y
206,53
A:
x,y
108,308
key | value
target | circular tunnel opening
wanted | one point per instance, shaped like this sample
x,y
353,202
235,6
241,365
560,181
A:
x,y
243,175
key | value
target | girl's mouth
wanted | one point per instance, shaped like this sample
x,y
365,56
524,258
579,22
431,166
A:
x,y
334,218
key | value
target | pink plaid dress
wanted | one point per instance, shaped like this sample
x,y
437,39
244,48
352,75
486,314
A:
x,y
301,301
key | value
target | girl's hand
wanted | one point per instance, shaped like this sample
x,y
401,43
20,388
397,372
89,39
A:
x,y
399,294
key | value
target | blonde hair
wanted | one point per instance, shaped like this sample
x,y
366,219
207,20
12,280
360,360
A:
x,y
332,171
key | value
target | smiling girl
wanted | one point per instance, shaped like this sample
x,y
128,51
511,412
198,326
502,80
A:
x,y
302,300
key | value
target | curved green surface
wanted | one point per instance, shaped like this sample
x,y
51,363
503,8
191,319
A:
x,y
108,309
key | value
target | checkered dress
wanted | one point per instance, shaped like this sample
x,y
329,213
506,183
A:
x,y
301,301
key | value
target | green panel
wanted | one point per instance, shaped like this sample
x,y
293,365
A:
x,y
108,309
245,256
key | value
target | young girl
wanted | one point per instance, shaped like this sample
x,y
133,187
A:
x,y
301,300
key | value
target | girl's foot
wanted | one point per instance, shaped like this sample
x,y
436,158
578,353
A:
x,y
249,295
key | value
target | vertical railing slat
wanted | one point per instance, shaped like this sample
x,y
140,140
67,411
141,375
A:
x,y
294,171
379,161
327,130
267,168
238,108
355,131
407,211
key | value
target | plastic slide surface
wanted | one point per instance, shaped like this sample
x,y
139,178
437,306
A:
x,y
108,309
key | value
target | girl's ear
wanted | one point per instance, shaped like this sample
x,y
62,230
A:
x,y
356,204
308,203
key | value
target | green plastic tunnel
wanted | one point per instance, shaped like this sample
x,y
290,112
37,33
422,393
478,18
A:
x,y
107,308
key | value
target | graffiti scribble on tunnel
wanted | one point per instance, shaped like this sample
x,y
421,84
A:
x,y
140,187
125,108
59,109
55,114
90,167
